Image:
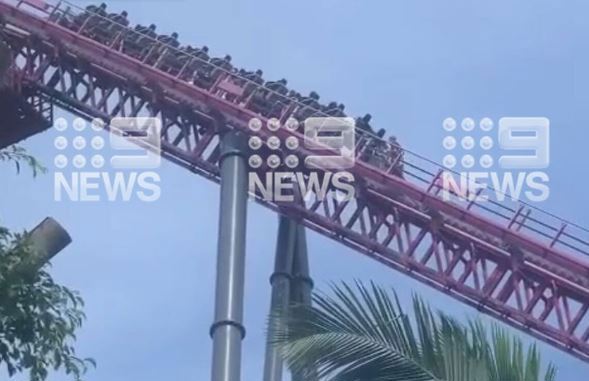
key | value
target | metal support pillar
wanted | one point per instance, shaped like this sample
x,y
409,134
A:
x,y
5,60
280,281
302,281
302,286
228,331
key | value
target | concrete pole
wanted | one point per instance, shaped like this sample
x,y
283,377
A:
x,y
302,285
280,281
227,330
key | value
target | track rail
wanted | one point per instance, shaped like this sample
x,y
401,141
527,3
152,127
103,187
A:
x,y
523,271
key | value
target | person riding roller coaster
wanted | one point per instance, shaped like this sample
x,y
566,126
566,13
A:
x,y
308,106
118,22
270,99
109,29
209,73
252,81
138,42
161,51
220,66
277,97
202,54
201,62
171,40
90,18
99,10
184,60
143,32
335,110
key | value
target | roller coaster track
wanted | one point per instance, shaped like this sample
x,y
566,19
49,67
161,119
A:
x,y
516,263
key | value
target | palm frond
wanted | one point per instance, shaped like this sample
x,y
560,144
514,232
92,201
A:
x,y
361,333
349,337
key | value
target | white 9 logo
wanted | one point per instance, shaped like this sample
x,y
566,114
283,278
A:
x,y
525,134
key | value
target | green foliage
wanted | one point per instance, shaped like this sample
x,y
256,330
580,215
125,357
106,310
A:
x,y
18,155
38,317
363,334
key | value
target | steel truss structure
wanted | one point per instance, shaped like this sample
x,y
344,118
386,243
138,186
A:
x,y
523,268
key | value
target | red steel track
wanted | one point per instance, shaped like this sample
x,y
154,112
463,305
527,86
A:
x,y
526,270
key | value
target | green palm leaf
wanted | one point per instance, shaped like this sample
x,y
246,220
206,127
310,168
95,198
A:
x,y
361,333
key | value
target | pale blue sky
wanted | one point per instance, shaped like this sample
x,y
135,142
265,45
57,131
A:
x,y
147,270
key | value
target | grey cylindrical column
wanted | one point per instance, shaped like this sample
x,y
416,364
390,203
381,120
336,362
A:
x,y
302,281
228,331
4,60
46,240
302,286
280,281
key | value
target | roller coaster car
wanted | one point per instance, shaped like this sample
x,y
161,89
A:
x,y
380,154
202,78
189,67
69,20
229,88
268,104
216,76
108,32
136,46
64,18
172,61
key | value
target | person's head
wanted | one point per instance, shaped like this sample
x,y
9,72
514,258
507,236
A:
x,y
332,105
259,72
314,95
283,82
175,36
227,58
367,118
152,27
380,133
205,49
341,106
124,13
102,6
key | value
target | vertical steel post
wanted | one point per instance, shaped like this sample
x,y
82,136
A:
x,y
227,330
302,286
302,281
5,60
280,281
